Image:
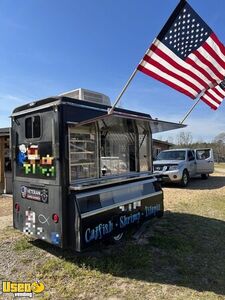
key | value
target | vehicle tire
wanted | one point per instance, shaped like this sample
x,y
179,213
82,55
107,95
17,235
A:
x,y
205,176
185,179
160,214
117,238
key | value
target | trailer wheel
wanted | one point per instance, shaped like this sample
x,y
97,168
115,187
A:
x,y
160,214
118,238
185,179
205,176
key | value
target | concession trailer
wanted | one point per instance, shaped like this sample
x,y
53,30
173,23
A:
x,y
80,174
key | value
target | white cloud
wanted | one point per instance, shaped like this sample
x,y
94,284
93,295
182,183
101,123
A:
x,y
7,103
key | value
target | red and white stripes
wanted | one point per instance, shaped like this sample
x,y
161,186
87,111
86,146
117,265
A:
x,y
213,97
201,70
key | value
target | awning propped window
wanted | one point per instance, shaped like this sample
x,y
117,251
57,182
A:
x,y
155,124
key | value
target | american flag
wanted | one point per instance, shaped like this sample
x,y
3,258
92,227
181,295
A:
x,y
187,56
214,96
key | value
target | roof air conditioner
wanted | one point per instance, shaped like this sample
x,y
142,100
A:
x,y
87,95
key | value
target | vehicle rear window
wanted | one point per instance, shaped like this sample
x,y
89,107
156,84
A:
x,y
36,127
33,127
28,128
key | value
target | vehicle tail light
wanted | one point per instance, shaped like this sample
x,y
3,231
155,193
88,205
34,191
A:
x,y
55,218
17,207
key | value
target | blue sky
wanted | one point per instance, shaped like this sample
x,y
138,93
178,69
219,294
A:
x,y
51,46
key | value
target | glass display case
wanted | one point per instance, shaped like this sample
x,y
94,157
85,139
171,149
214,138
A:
x,y
83,152
108,147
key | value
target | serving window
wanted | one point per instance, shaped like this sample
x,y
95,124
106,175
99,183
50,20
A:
x,y
108,147
117,140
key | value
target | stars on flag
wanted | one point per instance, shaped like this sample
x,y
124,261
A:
x,y
186,34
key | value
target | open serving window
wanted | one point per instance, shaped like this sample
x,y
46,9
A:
x,y
108,147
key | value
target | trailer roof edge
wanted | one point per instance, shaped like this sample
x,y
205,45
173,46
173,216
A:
x,y
53,101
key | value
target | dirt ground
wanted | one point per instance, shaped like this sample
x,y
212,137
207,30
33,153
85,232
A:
x,y
5,206
201,204
5,212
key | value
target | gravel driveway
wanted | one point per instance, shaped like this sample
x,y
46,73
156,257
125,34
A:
x,y
5,212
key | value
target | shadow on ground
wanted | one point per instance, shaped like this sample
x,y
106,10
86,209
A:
x,y
213,182
179,249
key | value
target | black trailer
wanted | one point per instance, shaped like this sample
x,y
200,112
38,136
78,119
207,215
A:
x,y
81,175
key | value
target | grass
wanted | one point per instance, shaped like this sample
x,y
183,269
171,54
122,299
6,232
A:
x,y
180,256
185,255
22,244
179,260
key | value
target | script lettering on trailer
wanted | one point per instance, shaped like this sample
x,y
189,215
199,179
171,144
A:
x,y
106,229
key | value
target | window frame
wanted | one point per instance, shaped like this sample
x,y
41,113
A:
x,y
70,128
192,155
32,128
204,151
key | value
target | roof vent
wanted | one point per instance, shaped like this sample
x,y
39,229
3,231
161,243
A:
x,y
91,96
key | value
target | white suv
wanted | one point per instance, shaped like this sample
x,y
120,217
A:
x,y
179,165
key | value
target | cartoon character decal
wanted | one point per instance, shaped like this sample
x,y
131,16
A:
x,y
22,156
32,163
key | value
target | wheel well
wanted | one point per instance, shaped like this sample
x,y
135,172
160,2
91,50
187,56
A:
x,y
186,171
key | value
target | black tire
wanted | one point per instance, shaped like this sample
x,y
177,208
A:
x,y
185,179
117,238
113,240
160,214
205,176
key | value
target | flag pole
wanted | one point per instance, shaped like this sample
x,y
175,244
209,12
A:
x,y
110,110
193,106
